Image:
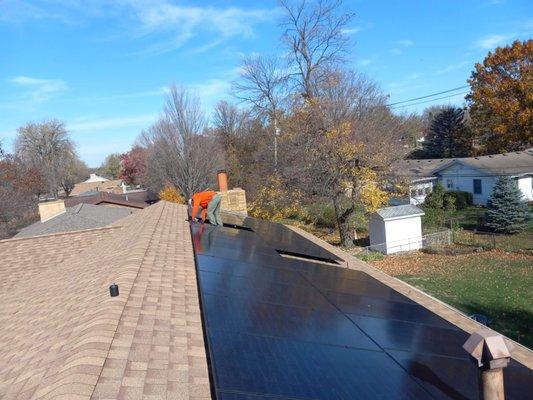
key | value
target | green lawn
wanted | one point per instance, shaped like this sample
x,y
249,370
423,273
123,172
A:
x,y
494,283
468,219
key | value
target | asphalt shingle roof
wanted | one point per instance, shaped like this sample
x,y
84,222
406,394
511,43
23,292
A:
x,y
82,216
63,336
518,162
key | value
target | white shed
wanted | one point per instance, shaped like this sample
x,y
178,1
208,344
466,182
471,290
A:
x,y
395,229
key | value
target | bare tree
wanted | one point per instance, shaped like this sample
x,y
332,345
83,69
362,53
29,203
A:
x,y
262,85
316,40
73,170
230,123
181,153
45,145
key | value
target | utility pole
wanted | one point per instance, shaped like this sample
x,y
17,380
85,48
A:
x,y
276,134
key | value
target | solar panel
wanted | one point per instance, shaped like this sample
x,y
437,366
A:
x,y
280,328
280,237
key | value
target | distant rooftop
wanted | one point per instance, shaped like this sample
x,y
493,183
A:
x,y
513,163
135,200
80,217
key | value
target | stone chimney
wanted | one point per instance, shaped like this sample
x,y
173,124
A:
x,y
232,199
51,209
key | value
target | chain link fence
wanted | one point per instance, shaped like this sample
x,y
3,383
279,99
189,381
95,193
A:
x,y
430,241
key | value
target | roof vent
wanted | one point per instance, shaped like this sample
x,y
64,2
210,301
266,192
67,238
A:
x,y
113,290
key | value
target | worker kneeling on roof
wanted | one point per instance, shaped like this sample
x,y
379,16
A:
x,y
209,201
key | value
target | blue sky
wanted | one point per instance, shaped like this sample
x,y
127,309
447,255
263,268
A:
x,y
103,66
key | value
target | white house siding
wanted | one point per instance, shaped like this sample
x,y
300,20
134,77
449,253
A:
x,y
396,235
525,183
461,177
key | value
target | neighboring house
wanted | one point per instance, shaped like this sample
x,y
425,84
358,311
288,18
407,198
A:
x,y
98,183
396,229
138,199
56,218
476,175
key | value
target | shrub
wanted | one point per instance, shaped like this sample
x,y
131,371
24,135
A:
x,y
433,217
462,199
436,198
437,203
170,193
275,202
321,215
507,211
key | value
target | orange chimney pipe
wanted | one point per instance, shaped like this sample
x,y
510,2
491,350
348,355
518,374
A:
x,y
222,180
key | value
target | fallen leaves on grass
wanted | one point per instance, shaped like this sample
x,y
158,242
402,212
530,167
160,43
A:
x,y
419,263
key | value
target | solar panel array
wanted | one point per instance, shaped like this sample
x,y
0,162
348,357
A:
x,y
280,328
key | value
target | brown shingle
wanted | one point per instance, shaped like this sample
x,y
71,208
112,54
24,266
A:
x,y
61,334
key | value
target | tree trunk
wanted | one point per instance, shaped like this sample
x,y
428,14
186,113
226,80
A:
x,y
343,223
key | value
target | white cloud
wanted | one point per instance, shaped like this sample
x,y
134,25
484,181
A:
x,y
38,89
491,41
99,124
181,23
174,24
405,42
364,62
452,67
352,31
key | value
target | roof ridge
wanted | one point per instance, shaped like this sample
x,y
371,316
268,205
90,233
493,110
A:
x,y
128,290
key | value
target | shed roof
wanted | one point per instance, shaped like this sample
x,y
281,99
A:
x,y
76,218
407,210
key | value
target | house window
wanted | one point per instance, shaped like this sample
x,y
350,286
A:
x,y
449,184
420,192
477,186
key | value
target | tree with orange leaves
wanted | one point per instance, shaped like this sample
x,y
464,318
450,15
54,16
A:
x,y
501,98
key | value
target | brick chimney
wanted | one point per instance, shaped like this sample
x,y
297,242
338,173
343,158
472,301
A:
x,y
222,180
51,209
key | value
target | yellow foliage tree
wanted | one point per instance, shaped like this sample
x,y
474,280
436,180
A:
x,y
171,194
275,202
340,148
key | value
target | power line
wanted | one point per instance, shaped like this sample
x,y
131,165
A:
x,y
428,101
429,95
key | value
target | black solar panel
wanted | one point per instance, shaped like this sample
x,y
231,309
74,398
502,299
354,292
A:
x,y
281,238
280,328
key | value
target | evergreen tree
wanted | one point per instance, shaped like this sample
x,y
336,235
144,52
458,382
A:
x,y
449,135
507,211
